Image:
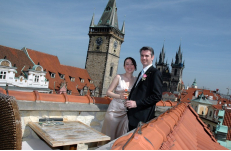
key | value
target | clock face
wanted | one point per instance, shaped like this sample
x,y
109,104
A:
x,y
115,44
99,41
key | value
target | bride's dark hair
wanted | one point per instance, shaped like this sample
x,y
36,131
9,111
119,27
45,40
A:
x,y
133,61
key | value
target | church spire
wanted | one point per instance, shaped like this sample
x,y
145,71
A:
x,y
109,16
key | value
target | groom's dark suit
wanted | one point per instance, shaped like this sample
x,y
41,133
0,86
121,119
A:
x,y
146,94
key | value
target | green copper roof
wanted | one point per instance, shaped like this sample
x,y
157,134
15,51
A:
x,y
109,16
202,99
194,83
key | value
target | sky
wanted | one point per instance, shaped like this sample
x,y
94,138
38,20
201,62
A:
x,y
60,28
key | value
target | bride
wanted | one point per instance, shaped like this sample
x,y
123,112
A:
x,y
116,120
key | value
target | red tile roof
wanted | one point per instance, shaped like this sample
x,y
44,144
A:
x,y
187,95
180,128
17,57
52,64
227,122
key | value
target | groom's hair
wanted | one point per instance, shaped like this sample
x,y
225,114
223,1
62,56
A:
x,y
148,48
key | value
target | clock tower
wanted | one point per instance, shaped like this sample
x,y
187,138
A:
x,y
104,47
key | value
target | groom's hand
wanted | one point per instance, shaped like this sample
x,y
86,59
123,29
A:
x,y
130,104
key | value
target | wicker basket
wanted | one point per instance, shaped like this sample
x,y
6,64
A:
x,y
10,124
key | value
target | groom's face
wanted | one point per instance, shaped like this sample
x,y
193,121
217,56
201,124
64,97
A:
x,y
146,58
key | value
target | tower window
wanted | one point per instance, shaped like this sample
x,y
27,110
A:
x,y
108,8
175,72
111,71
3,75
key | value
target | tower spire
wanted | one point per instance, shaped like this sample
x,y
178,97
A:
x,y
92,21
123,27
109,16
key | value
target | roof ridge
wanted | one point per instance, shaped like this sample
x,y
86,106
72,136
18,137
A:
x,y
72,66
41,52
10,47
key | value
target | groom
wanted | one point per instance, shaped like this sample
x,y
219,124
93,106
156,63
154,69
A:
x,y
146,92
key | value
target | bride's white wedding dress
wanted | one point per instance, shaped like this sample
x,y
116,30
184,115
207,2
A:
x,y
116,120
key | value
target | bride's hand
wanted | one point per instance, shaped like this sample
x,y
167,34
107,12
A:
x,y
122,96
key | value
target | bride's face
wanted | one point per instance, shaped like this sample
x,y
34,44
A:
x,y
129,66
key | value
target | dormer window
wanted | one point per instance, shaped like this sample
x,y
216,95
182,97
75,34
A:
x,y
36,78
68,91
61,76
82,80
3,75
90,81
72,79
80,92
52,75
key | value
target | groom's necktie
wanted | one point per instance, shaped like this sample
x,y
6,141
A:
x,y
141,75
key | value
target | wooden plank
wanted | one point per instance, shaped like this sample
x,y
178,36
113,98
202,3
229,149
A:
x,y
68,134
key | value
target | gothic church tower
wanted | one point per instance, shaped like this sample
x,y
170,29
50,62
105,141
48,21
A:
x,y
164,69
103,54
177,71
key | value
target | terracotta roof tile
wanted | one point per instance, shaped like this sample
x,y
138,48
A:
x,y
180,128
227,122
59,98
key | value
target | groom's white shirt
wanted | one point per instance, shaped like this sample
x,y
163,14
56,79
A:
x,y
144,69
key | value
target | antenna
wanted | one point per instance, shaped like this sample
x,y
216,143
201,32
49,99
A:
x,y
228,90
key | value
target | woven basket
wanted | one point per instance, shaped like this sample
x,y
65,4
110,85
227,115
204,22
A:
x,y
10,124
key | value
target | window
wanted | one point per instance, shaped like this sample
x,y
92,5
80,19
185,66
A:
x,y
62,76
3,75
111,71
52,75
81,80
90,81
214,128
36,78
196,108
68,91
175,72
210,113
72,79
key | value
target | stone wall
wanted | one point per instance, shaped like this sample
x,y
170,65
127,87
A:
x,y
89,114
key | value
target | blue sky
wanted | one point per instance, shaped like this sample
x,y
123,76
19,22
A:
x,y
60,27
